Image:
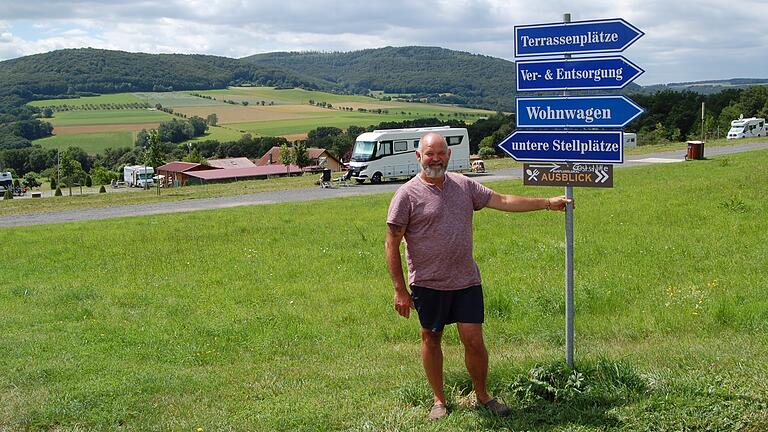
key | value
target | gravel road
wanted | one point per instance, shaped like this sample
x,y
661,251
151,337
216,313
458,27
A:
x,y
309,194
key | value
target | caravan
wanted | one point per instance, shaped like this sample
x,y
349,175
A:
x,y
747,127
391,153
138,176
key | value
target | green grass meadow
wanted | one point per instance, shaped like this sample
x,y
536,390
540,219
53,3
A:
x,y
92,143
115,98
108,117
280,317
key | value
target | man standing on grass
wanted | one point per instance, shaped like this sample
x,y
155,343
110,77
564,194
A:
x,y
433,213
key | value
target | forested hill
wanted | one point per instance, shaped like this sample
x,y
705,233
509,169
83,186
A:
x,y
72,71
441,75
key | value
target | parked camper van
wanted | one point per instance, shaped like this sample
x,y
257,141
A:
x,y
391,153
6,181
747,127
630,140
138,175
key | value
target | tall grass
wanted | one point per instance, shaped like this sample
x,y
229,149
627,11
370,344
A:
x,y
280,318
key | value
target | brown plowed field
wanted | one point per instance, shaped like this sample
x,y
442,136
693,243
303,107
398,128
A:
x,y
294,137
65,130
251,113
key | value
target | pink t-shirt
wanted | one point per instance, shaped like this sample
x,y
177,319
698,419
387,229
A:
x,y
438,233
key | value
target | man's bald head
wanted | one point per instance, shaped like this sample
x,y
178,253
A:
x,y
432,139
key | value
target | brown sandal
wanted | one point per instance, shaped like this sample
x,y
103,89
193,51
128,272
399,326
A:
x,y
496,407
438,411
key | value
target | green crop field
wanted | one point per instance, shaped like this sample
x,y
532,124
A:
x,y
280,317
222,133
92,143
107,117
116,98
338,119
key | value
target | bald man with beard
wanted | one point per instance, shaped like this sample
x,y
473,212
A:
x,y
433,212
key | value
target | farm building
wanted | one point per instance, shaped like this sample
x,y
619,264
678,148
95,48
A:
x,y
240,162
222,175
316,156
176,173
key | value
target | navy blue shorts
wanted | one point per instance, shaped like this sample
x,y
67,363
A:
x,y
436,308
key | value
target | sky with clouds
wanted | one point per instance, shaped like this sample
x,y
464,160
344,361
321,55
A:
x,y
685,40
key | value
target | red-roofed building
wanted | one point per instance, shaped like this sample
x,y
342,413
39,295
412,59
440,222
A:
x,y
315,154
240,162
176,173
233,174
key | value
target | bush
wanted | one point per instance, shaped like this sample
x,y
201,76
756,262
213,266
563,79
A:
x,y
8,194
102,189
58,192
486,152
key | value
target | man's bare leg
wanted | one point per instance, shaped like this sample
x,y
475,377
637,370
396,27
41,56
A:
x,y
475,357
432,359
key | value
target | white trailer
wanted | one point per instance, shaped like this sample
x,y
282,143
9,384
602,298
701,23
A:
x,y
138,175
747,127
391,153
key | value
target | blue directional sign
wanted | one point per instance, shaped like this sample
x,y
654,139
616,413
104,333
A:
x,y
565,146
606,73
577,37
613,111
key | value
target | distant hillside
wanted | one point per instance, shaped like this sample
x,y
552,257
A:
x,y
90,70
707,87
439,74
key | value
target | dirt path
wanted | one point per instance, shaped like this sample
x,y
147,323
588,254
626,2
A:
x,y
309,194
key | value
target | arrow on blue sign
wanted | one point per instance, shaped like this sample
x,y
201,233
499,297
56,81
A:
x,y
577,37
606,73
565,146
576,111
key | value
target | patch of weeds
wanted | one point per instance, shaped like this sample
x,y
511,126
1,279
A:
x,y
735,205
554,394
724,162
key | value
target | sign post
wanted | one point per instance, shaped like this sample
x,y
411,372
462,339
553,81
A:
x,y
576,154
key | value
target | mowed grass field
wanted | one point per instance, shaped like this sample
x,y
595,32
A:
x,y
280,317
92,143
283,113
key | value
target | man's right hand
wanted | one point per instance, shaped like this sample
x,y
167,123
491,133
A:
x,y
403,303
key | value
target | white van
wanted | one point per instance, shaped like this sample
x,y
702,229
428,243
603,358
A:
x,y
747,127
6,181
391,153
630,139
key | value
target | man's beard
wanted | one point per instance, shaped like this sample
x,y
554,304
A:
x,y
434,171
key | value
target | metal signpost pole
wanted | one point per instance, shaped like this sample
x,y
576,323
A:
x,y
588,131
569,315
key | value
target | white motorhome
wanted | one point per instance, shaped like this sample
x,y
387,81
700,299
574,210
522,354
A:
x,y
138,175
6,181
391,153
747,127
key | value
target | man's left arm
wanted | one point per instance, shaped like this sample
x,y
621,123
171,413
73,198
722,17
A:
x,y
516,203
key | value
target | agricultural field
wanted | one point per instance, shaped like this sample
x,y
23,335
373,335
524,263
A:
x,y
284,321
91,142
267,112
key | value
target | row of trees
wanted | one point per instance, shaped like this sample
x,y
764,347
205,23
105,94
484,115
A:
x,y
47,111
